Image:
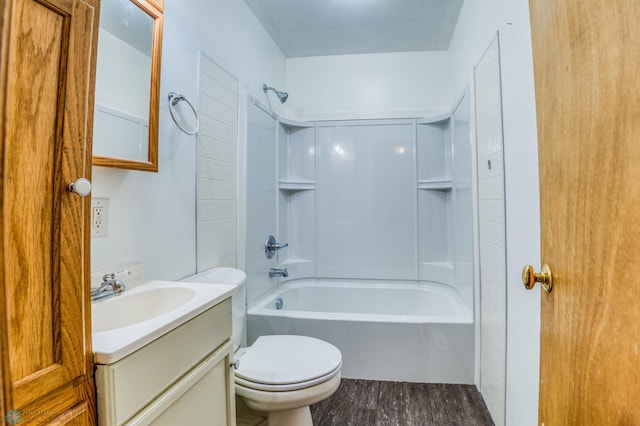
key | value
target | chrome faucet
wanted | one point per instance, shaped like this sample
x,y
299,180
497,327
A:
x,y
271,246
110,286
275,272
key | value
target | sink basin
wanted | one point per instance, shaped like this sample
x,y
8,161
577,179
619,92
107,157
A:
x,y
125,323
127,309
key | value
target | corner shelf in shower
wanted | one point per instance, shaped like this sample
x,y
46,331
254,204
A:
x,y
441,272
439,184
296,185
298,268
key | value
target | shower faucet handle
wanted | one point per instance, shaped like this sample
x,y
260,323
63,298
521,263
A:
x,y
271,246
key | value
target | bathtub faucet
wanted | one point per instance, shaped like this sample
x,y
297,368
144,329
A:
x,y
275,272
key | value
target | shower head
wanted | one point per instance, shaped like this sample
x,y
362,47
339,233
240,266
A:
x,y
283,96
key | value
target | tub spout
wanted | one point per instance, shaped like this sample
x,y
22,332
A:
x,y
275,272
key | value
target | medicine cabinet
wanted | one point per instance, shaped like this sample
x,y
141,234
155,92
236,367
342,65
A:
x,y
128,85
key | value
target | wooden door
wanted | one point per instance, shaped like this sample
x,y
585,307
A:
x,y
48,60
587,77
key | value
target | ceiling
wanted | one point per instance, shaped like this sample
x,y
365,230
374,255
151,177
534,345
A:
x,y
338,27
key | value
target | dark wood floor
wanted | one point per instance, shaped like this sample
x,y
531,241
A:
x,y
374,403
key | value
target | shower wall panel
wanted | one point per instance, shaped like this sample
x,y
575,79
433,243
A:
x,y
463,229
367,202
261,198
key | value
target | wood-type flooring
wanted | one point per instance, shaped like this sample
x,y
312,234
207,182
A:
x,y
376,403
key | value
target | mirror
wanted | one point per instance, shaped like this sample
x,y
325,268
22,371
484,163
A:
x,y
125,128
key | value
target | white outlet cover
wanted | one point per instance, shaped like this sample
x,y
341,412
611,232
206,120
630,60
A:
x,y
101,229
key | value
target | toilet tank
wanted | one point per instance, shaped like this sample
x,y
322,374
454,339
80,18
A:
x,y
229,276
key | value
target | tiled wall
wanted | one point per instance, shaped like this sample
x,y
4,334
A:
x,y
217,227
491,216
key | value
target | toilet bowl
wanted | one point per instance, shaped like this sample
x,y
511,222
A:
x,y
280,376
283,375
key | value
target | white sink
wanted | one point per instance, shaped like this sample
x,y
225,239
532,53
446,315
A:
x,y
124,323
131,308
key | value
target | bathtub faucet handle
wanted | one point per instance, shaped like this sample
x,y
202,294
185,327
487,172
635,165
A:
x,y
271,246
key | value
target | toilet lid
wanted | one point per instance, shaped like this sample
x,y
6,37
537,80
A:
x,y
279,360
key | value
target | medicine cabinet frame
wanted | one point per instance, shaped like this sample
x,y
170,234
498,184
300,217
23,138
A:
x,y
154,9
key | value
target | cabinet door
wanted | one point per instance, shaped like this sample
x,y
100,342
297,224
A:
x,y
206,395
47,94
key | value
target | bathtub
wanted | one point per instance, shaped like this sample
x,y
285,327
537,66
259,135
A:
x,y
394,331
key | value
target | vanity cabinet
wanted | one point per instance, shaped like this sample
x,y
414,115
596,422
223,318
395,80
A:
x,y
183,377
46,110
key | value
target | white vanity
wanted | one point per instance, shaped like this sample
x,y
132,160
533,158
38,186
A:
x,y
167,358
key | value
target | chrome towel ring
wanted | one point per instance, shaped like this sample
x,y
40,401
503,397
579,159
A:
x,y
174,99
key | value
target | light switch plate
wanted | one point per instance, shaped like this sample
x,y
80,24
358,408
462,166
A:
x,y
99,217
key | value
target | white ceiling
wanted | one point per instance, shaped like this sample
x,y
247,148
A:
x,y
336,27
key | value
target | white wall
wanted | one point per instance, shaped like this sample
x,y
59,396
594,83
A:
x,y
478,22
152,216
386,85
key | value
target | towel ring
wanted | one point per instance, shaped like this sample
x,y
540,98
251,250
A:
x,y
174,98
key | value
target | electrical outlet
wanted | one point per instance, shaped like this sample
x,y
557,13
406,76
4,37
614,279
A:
x,y
99,217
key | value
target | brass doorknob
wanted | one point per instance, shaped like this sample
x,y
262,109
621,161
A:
x,y
530,277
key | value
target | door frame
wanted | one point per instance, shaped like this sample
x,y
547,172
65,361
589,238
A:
x,y
522,217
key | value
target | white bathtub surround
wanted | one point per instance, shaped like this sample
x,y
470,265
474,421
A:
x,y
400,331
374,199
378,200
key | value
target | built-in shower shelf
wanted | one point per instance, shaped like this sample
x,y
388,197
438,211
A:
x,y
441,272
462,184
296,185
295,261
441,184
299,268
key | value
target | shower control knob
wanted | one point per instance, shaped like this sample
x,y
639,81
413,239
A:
x,y
271,246
82,187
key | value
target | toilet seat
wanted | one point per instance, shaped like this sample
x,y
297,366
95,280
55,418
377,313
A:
x,y
239,381
285,363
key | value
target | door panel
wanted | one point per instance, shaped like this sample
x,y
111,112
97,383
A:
x,y
46,142
33,121
588,98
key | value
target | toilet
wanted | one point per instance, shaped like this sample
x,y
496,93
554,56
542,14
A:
x,y
281,375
